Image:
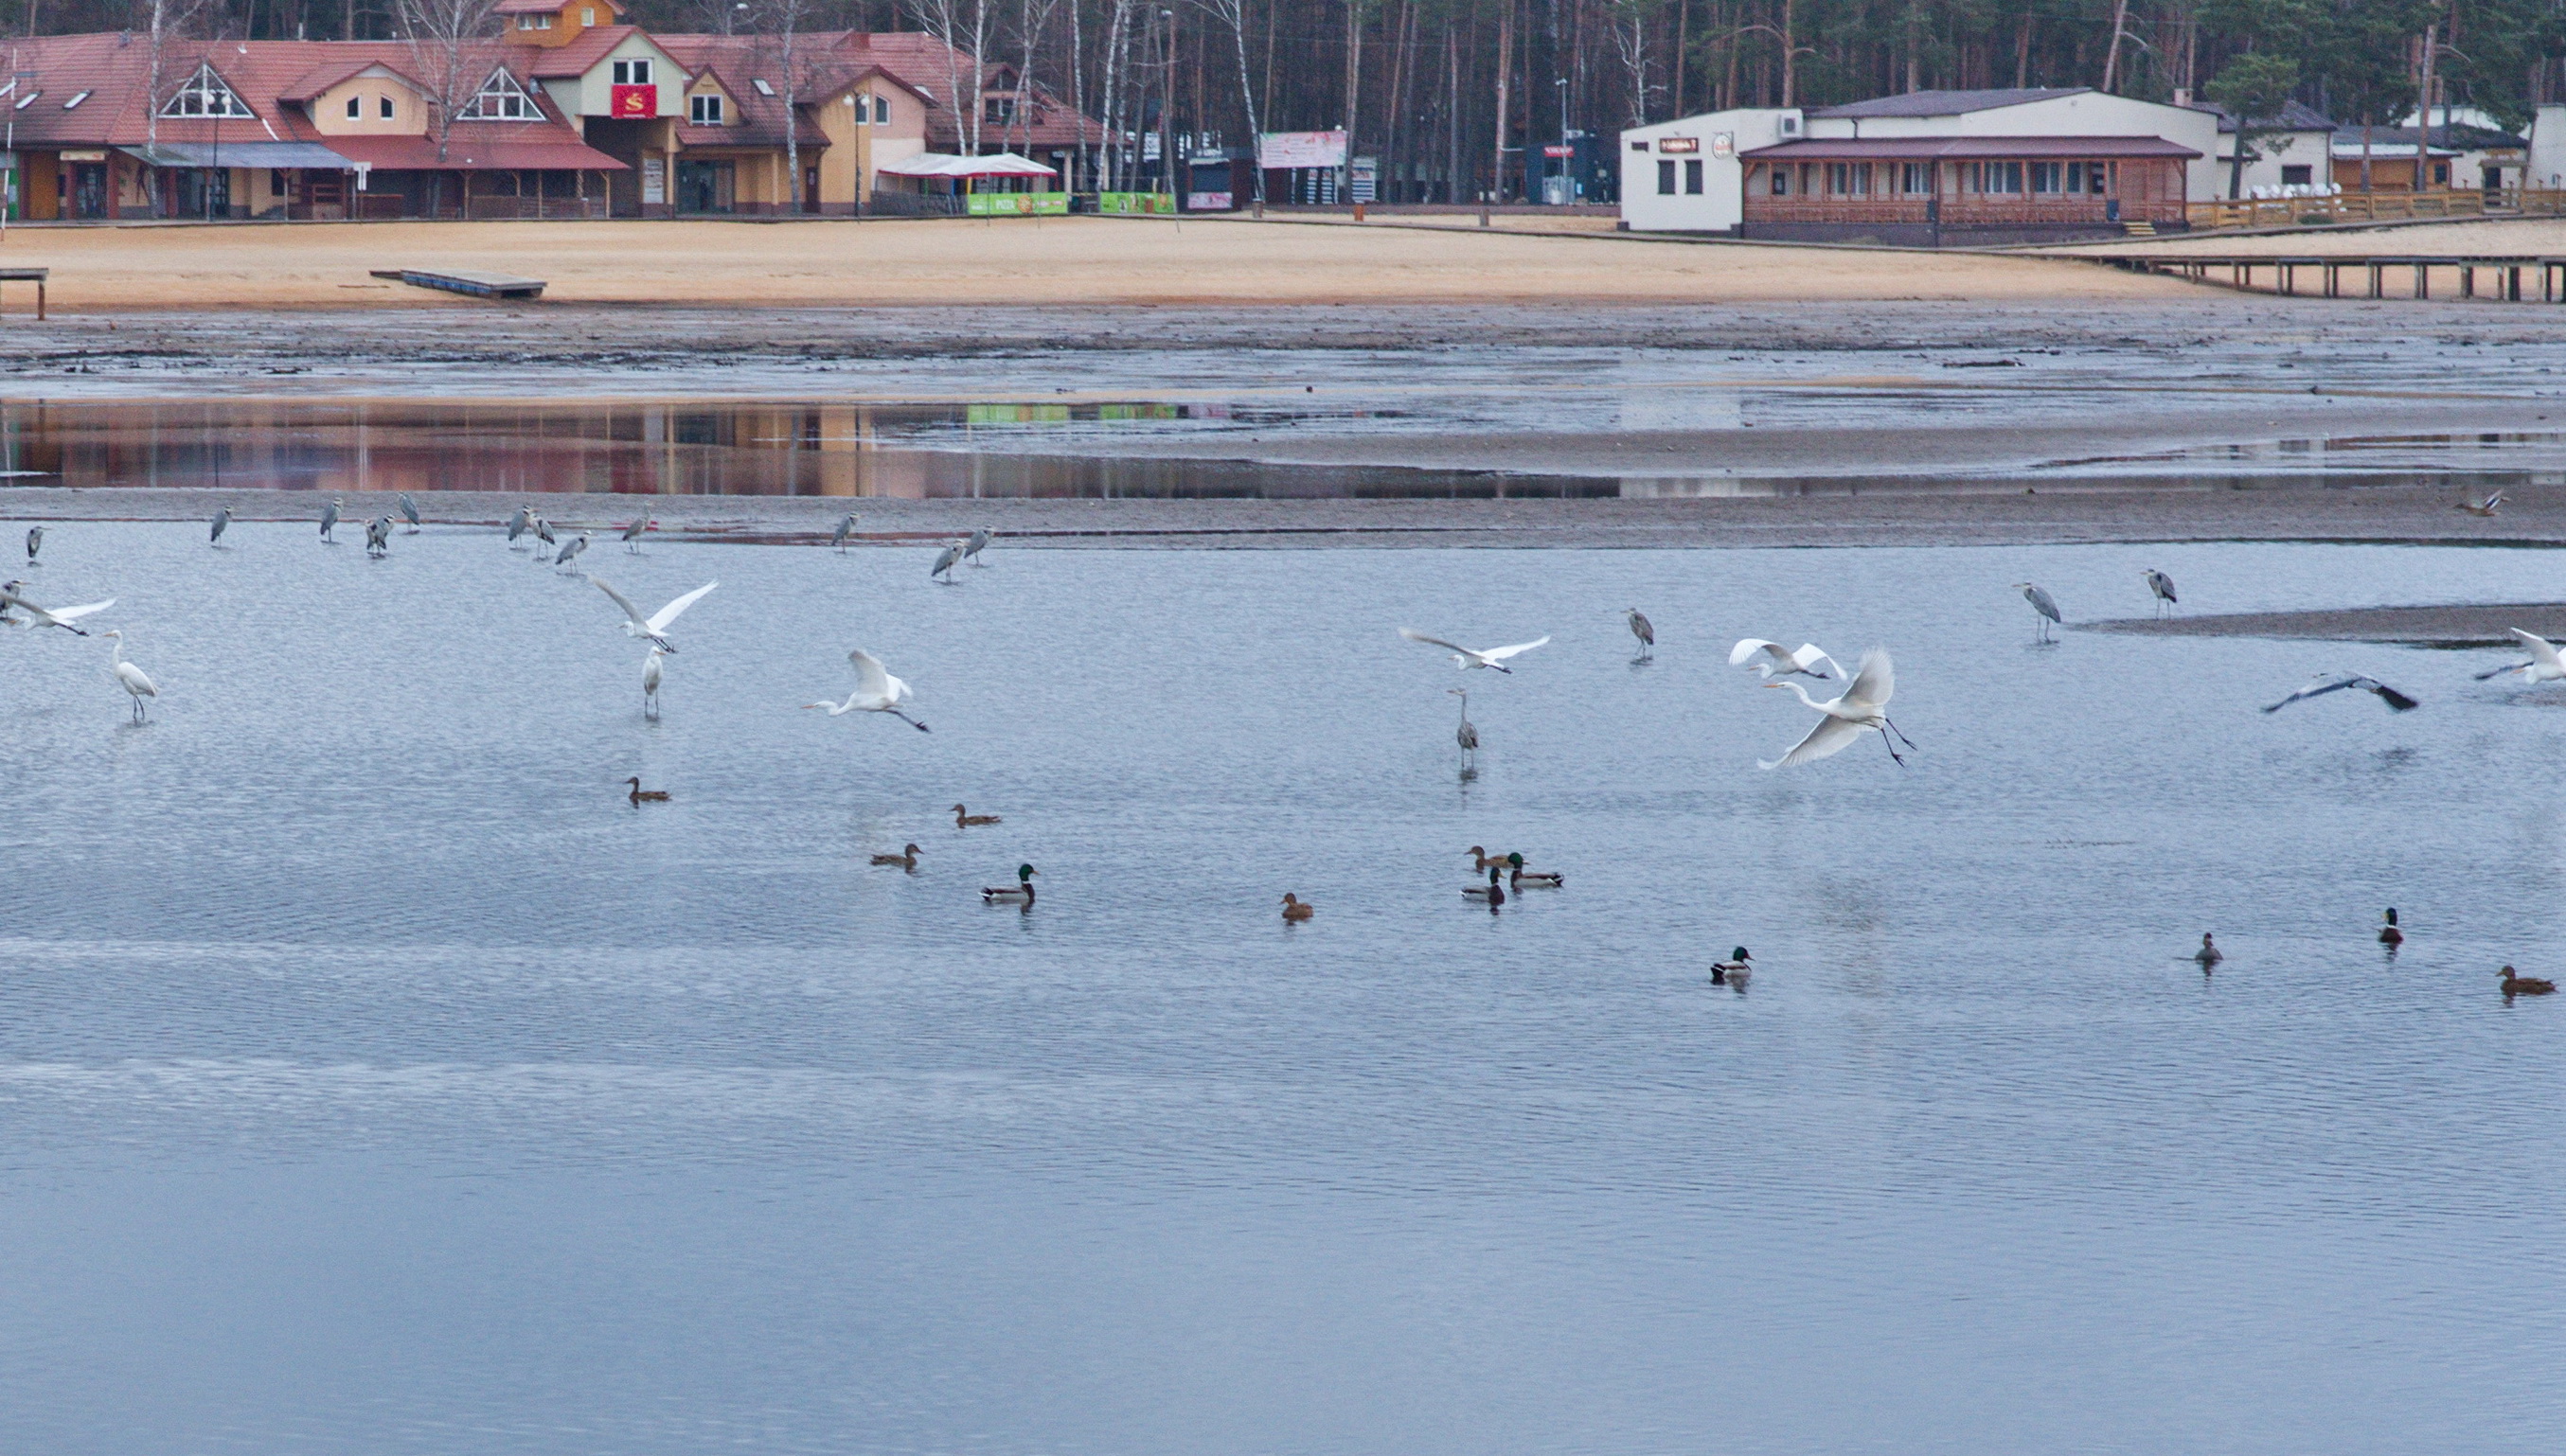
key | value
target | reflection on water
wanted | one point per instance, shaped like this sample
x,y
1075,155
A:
x,y
373,1073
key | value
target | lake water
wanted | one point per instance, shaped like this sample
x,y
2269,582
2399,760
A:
x,y
373,1077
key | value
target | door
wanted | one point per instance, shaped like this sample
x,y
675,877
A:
x,y
703,186
88,189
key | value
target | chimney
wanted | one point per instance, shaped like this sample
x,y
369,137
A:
x,y
2183,95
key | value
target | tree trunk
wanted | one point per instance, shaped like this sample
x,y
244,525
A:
x,y
1354,97
1505,72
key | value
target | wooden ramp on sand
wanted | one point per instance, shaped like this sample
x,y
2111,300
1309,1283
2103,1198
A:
x,y
456,280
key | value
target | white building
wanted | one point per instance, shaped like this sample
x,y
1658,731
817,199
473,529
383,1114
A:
x,y
1683,176
2288,155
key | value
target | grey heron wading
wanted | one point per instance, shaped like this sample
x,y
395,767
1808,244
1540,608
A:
x,y
946,560
979,542
2042,603
1468,735
845,528
379,537
2160,587
409,512
570,552
222,523
518,523
330,521
35,543
1640,629
632,533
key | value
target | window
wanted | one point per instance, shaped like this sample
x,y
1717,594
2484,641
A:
x,y
383,106
1665,180
762,87
2441,173
501,99
1790,124
534,22
1692,177
355,107
704,110
588,15
998,107
633,73
1915,178
26,100
74,102
1781,186
1997,177
1639,147
882,110
2300,175
1849,179
204,95
2048,177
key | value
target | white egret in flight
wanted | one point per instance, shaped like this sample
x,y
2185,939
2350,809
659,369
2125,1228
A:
x,y
128,676
2396,701
1770,660
2542,665
2042,603
61,617
656,625
876,691
1466,657
1862,708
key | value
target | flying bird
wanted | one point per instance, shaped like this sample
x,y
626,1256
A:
x,y
2160,587
2542,665
650,682
1640,629
330,521
136,686
570,551
1770,661
845,528
1864,708
876,691
222,522
979,542
379,537
656,625
61,617
35,542
2486,507
945,561
2321,685
409,512
632,533
1467,657
2042,603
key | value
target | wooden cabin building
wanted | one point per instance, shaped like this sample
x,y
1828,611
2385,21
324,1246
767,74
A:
x,y
1962,190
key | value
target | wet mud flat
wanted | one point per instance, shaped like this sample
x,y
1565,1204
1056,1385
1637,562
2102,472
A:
x,y
2454,626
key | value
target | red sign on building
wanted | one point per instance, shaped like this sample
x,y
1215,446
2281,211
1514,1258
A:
x,y
628,102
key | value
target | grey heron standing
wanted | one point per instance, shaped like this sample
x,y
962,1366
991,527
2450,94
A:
x,y
979,542
544,534
2042,603
632,533
2160,587
1640,629
379,537
330,520
1468,735
34,541
222,520
845,528
132,680
944,561
518,523
409,512
570,552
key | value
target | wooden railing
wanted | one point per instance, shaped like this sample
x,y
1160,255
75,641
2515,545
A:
x,y
1976,211
2377,207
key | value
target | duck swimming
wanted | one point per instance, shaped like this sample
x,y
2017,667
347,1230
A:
x,y
2515,985
1019,894
646,796
1732,971
905,860
1294,909
965,821
1539,879
1493,893
2388,934
2209,954
1484,860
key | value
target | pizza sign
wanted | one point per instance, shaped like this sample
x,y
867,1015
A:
x,y
633,100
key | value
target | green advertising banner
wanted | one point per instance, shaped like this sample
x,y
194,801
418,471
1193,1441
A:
x,y
1018,204
1131,202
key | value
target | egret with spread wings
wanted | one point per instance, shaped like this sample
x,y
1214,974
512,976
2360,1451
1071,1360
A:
x,y
61,617
1864,708
656,625
1770,660
2337,683
2542,665
876,691
1472,658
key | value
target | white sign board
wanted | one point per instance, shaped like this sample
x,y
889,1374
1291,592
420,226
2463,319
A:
x,y
1277,150
655,181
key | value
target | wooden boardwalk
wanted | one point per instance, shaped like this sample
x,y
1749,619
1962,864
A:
x,y
2509,276
478,285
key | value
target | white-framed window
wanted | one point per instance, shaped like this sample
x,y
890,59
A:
x,y
633,73
1781,181
1915,178
588,15
355,107
501,99
534,22
704,110
204,95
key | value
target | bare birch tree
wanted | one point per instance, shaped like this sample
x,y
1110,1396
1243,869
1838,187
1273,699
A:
x,y
782,23
1233,13
945,20
447,67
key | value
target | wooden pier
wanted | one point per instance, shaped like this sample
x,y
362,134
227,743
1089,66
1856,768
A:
x,y
36,276
478,285
2370,272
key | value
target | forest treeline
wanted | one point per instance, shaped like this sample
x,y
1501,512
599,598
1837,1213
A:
x,y
1424,82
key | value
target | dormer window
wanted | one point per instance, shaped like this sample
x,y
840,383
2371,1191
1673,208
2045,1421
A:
x,y
633,73
587,16
501,99
355,107
999,108
383,106
704,110
534,22
205,95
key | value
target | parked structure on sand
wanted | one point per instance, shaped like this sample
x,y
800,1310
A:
x,y
567,113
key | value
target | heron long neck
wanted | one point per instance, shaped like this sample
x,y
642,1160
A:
x,y
1804,695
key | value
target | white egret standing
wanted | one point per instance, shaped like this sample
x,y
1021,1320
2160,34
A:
x,y
1466,734
656,625
518,523
222,521
128,676
1862,708
944,561
2160,587
2542,665
876,691
409,512
35,540
379,537
330,520
570,552
2042,603
979,542
61,617
1640,629
2397,702
1770,661
1468,657
650,682
845,528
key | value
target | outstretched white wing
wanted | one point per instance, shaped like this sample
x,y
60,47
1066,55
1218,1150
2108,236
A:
x,y
75,614
1500,654
670,612
1809,657
873,680
1748,647
1826,740
2542,652
1872,682
1415,635
630,611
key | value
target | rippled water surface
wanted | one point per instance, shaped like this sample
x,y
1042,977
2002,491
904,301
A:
x,y
373,1077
